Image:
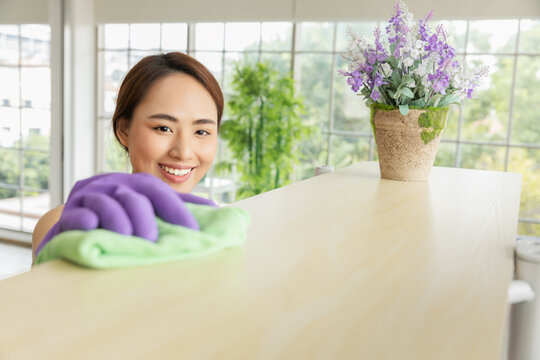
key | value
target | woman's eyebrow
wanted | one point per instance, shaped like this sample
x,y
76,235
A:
x,y
172,118
163,117
203,121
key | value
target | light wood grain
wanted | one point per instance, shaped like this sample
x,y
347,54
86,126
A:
x,y
341,266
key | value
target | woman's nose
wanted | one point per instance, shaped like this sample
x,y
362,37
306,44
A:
x,y
181,148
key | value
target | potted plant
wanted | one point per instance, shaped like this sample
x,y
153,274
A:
x,y
264,128
408,78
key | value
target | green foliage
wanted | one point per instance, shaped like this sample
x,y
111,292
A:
x,y
9,174
35,163
116,158
265,128
408,91
434,120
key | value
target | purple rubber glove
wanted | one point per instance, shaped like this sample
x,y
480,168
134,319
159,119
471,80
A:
x,y
126,204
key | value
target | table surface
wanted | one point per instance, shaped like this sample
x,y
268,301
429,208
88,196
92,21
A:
x,y
340,266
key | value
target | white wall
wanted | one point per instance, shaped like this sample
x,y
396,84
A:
x,y
110,11
449,9
24,11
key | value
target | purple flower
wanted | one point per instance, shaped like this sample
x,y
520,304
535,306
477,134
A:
x,y
398,29
433,63
375,95
380,50
440,81
379,80
354,79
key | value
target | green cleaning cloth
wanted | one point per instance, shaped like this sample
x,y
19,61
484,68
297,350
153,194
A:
x,y
220,228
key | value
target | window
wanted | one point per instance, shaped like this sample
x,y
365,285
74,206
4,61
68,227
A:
x,y
25,122
498,130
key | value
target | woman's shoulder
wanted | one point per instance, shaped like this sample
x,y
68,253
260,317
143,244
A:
x,y
44,224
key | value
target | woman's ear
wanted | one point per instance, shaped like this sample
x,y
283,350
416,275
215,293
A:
x,y
122,131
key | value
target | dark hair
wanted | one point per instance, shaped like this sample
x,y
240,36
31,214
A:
x,y
152,68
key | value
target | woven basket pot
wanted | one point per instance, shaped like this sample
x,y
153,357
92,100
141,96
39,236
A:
x,y
407,144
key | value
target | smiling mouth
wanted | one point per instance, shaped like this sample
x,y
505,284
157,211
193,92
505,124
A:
x,y
176,172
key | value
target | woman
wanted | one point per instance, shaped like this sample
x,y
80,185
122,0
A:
x,y
167,117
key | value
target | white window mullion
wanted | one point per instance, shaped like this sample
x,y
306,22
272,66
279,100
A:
x,y
20,149
56,177
332,94
79,93
511,105
457,160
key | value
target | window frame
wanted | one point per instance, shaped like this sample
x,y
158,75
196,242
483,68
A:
x,y
330,131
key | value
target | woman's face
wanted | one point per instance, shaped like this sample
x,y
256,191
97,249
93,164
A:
x,y
173,132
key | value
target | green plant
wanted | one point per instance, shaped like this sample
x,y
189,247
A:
x,y
264,129
35,165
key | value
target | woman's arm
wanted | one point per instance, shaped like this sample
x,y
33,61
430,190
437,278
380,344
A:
x,y
46,222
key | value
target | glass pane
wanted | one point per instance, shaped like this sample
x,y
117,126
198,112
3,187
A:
x,y
528,38
492,36
9,167
482,157
209,36
314,151
456,31
276,36
9,86
485,117
375,153
529,229
279,61
348,150
116,159
446,155
174,37
35,205
36,129
526,112
364,29
315,86
36,169
10,209
350,111
527,163
9,44
116,36
35,44
316,36
10,131
144,36
452,123
136,56
115,66
213,61
231,60
36,87
242,36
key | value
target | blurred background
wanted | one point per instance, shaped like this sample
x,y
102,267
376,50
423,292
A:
x,y
61,64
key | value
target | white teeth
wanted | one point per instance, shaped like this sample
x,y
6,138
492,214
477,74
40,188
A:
x,y
176,172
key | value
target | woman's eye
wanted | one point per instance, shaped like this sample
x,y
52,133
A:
x,y
202,132
163,128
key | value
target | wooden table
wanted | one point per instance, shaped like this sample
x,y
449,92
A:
x,y
340,266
